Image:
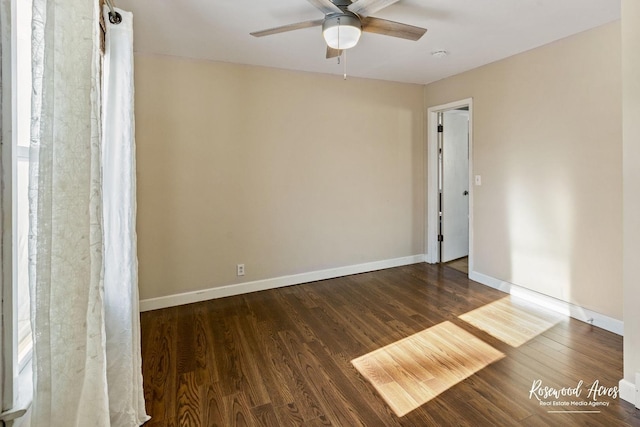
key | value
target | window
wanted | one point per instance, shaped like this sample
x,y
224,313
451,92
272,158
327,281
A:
x,y
21,175
17,342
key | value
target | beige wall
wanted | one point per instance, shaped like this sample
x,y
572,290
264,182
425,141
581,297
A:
x,y
547,143
286,172
631,138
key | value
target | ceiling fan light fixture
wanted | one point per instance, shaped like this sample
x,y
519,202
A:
x,y
341,31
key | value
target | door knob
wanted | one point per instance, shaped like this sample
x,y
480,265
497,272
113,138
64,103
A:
x,y
465,192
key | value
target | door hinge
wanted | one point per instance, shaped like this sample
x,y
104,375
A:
x,y
440,238
440,128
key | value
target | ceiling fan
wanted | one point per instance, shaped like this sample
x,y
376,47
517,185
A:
x,y
344,21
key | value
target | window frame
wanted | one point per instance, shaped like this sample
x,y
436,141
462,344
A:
x,y
16,390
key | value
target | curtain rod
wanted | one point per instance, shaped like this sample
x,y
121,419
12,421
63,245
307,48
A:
x,y
114,17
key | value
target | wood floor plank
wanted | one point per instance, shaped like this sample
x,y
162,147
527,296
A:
x,y
251,363
226,355
283,357
237,411
186,341
337,371
273,376
204,351
288,304
289,415
159,367
189,411
213,410
336,406
304,400
265,415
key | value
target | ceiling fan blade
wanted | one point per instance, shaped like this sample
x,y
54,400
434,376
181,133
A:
x,y
391,28
365,8
325,6
333,53
290,27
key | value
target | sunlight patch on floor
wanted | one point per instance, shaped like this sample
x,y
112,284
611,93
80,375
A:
x,y
511,321
414,370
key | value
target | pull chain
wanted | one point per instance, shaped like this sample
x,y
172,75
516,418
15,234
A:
x,y
344,52
344,63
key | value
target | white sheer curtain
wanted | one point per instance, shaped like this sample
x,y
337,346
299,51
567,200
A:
x,y
72,325
124,363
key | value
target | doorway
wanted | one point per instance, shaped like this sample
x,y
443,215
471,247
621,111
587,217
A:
x,y
450,196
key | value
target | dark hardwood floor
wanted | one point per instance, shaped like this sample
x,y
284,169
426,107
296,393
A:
x,y
284,357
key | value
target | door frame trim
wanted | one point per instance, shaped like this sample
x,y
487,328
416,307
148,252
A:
x,y
432,249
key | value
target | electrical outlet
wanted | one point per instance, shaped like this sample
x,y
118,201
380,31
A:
x,y
240,269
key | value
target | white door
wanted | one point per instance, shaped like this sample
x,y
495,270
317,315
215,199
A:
x,y
455,185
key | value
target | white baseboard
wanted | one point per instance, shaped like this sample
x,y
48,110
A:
x,y
627,391
600,320
276,282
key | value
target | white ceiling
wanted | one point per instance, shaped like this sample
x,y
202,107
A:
x,y
474,32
